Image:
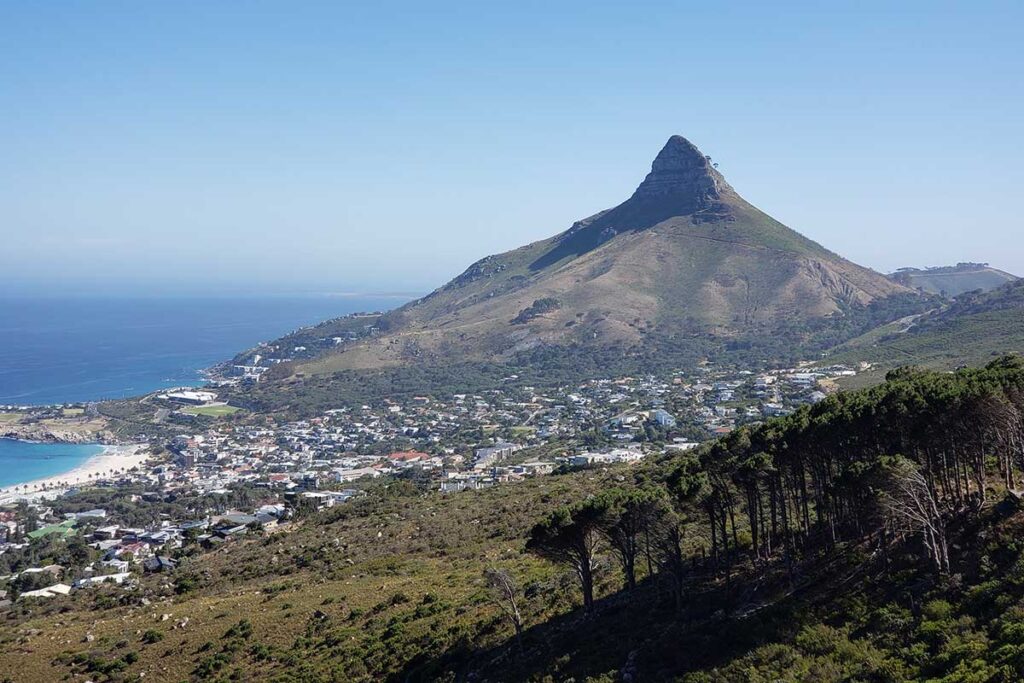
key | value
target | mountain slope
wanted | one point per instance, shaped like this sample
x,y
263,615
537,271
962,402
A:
x,y
953,280
805,579
973,329
685,257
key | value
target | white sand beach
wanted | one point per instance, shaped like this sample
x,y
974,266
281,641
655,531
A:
x,y
110,462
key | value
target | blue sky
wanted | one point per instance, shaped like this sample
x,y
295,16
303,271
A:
x,y
283,147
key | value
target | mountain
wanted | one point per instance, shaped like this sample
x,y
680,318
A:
x,y
684,265
971,330
953,281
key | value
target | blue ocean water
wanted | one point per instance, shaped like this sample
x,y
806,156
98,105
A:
x,y
21,461
80,349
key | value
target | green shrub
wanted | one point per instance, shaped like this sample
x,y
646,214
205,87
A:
x,y
819,639
937,610
151,636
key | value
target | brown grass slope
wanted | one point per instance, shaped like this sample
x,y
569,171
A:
x,y
952,281
684,253
394,578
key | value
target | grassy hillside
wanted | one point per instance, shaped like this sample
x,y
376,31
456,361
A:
x,y
302,390
790,551
416,617
972,330
356,593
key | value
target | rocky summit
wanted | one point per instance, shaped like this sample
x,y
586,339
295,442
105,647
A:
x,y
682,171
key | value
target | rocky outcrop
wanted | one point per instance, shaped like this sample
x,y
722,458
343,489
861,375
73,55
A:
x,y
55,434
681,169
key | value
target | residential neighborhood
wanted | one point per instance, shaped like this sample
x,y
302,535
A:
x,y
231,475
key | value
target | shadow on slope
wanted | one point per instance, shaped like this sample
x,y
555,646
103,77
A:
x,y
640,634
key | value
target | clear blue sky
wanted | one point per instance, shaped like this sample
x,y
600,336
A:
x,y
291,146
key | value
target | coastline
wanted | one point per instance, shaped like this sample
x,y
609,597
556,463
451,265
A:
x,y
81,431
109,461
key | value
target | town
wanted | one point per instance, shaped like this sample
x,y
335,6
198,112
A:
x,y
227,473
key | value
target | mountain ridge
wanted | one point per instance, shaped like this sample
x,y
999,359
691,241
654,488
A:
x,y
952,281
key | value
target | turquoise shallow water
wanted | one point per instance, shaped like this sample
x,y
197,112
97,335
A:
x,y
21,461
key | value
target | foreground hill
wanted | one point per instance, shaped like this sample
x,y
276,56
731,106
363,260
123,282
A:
x,y
971,330
952,281
797,550
683,269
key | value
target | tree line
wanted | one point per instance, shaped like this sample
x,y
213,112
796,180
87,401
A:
x,y
896,462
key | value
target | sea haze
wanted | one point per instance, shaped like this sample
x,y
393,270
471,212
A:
x,y
81,349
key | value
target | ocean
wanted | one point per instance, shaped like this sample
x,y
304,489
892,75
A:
x,y
67,350
21,461
79,349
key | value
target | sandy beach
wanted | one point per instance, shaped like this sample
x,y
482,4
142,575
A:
x,y
111,461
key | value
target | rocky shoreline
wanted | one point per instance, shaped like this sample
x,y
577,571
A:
x,y
52,434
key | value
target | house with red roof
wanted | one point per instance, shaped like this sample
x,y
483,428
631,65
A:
x,y
408,457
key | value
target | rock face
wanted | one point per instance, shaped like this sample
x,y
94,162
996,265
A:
x,y
56,434
683,257
681,169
